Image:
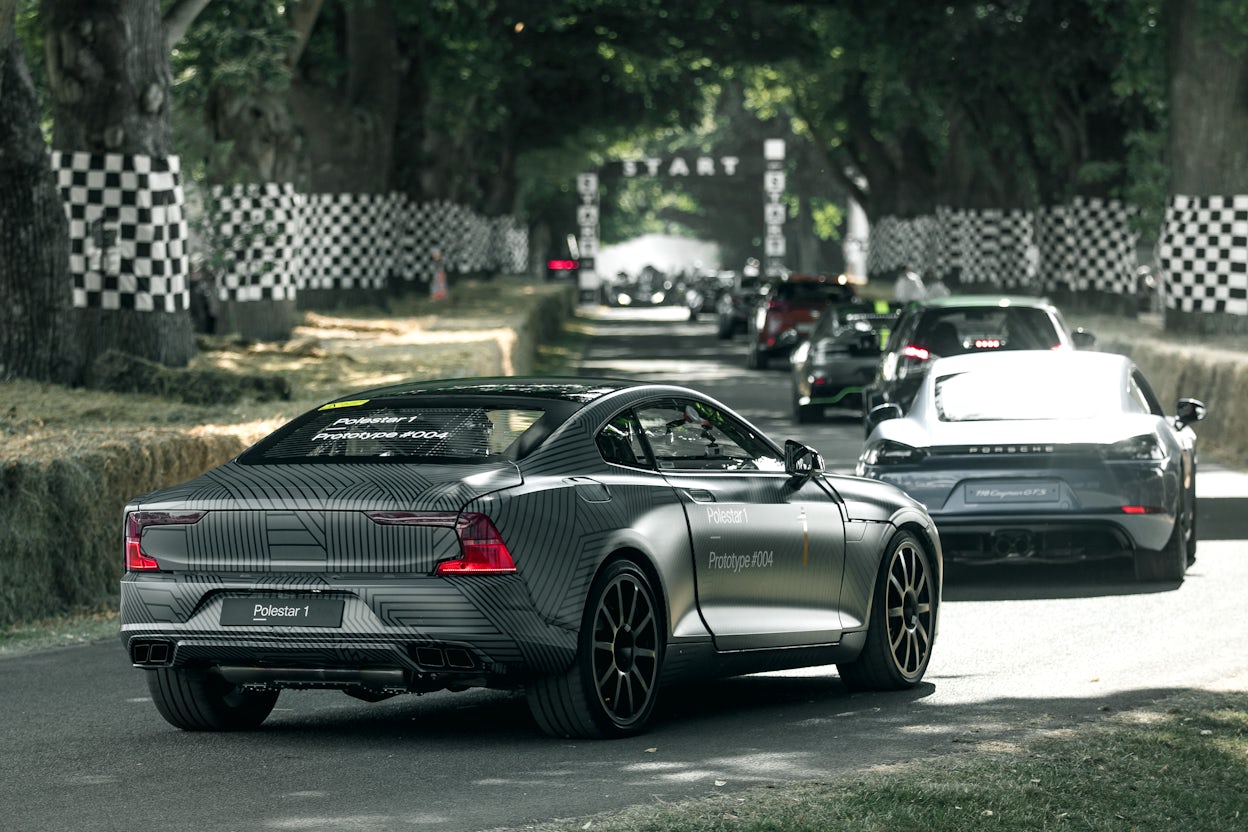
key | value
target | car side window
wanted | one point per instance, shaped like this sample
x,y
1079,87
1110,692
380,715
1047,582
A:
x,y
620,442
688,435
1142,396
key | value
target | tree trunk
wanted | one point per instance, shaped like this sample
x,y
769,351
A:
x,y
1204,260
350,131
36,329
108,70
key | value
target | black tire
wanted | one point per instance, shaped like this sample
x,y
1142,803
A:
x,y
1191,523
901,626
200,700
755,359
725,328
1191,538
1168,564
611,688
807,414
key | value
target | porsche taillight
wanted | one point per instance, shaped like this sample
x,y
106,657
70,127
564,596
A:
x,y
136,559
482,550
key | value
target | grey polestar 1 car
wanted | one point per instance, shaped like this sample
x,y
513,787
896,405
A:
x,y
585,541
1045,455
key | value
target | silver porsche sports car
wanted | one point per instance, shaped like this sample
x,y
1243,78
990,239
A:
x,y
587,541
1045,455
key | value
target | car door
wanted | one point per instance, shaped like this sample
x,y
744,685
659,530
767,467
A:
x,y
768,547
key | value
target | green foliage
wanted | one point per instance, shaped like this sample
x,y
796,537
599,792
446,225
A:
x,y
828,217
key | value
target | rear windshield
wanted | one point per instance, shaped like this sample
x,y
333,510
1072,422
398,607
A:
x,y
997,396
401,434
812,292
955,331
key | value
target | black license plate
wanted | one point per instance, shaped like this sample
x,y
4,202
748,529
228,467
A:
x,y
1018,491
293,612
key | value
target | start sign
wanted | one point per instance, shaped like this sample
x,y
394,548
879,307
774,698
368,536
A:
x,y
678,166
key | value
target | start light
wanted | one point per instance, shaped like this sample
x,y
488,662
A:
x,y
987,343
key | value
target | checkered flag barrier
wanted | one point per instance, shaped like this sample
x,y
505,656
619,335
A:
x,y
467,241
1104,246
275,241
350,240
257,235
1055,250
1087,244
1203,254
897,242
127,230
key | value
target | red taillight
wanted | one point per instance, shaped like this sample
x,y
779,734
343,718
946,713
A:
x,y
1143,510
561,265
917,353
482,547
136,559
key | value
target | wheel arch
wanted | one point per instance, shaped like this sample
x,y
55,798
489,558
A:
x,y
652,573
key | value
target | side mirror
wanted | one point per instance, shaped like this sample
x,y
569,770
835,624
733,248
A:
x,y
882,413
801,460
1082,339
1189,411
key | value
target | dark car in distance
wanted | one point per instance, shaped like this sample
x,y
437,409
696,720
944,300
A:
x,y
831,367
1045,455
583,541
735,304
959,324
786,312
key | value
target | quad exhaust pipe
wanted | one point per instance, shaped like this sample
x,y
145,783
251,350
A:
x,y
151,652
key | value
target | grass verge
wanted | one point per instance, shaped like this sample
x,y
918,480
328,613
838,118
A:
x,y
1178,765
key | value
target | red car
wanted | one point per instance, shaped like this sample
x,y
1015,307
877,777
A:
x,y
787,312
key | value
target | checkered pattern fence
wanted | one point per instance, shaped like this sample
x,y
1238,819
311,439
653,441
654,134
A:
x,y
257,232
1204,254
899,242
270,241
1087,244
127,230
1103,245
349,240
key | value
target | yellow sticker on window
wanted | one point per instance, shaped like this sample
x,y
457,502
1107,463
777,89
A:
x,y
336,405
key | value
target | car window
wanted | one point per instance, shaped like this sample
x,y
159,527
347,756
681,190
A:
x,y
404,434
687,435
620,442
975,396
812,292
1141,394
956,331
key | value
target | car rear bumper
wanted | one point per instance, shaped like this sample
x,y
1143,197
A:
x,y
1049,538
422,634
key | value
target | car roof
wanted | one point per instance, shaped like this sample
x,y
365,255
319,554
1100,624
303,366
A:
x,y
574,390
980,301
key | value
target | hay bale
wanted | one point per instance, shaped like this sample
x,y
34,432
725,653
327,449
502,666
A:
x,y
60,517
120,372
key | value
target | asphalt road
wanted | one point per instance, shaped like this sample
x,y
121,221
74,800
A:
x,y
82,748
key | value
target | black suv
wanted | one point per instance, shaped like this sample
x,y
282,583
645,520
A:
x,y
931,329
